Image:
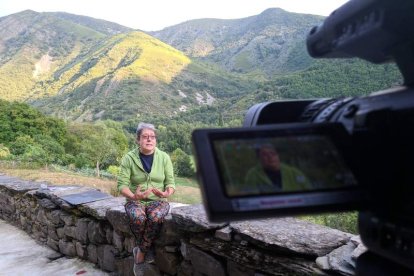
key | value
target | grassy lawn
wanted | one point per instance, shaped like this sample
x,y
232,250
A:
x,y
184,181
187,191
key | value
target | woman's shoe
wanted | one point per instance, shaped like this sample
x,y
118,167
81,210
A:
x,y
135,253
139,269
149,257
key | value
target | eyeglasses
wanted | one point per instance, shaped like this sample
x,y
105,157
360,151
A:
x,y
146,137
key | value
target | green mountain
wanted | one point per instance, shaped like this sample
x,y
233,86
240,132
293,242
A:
x,y
132,75
35,45
272,42
73,67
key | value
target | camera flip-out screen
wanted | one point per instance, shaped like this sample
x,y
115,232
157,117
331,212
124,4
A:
x,y
247,173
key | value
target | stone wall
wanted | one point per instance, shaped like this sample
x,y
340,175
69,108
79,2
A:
x,y
188,244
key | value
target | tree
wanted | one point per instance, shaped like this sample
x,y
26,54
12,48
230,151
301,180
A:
x,y
21,144
26,131
220,119
17,119
54,151
100,145
176,135
41,149
182,163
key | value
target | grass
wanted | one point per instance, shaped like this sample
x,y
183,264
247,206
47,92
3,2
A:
x,y
187,189
188,195
188,182
344,221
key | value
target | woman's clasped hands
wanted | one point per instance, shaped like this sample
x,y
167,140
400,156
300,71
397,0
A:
x,y
145,194
142,194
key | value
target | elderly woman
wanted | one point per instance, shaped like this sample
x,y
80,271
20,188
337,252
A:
x,y
272,175
146,179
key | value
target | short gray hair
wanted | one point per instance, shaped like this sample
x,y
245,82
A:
x,y
142,126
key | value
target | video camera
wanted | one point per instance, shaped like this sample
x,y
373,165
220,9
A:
x,y
304,156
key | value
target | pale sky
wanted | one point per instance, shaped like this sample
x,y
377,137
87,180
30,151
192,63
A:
x,y
153,15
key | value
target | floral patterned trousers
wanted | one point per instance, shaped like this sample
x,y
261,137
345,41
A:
x,y
145,221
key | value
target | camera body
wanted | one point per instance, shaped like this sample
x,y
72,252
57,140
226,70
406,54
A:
x,y
356,153
381,128
381,125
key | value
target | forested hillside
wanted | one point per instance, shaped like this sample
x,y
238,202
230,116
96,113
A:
x,y
327,79
29,137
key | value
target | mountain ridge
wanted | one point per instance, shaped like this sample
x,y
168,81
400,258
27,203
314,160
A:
x,y
103,26
247,44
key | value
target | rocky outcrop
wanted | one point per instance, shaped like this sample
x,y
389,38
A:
x,y
188,244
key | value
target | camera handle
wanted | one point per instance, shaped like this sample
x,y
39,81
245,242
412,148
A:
x,y
404,57
372,264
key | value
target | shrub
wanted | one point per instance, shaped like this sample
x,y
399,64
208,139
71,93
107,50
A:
x,y
114,170
4,152
35,154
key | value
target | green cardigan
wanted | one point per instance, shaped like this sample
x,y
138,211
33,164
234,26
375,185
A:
x,y
132,173
292,180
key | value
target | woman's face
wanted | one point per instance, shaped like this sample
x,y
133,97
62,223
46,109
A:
x,y
269,159
147,141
